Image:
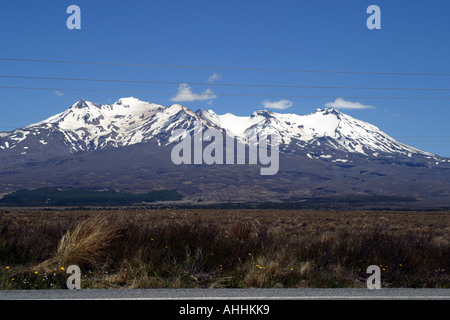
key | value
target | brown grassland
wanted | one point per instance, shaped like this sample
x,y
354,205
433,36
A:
x,y
206,248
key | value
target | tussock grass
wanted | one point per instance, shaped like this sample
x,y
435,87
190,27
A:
x,y
84,245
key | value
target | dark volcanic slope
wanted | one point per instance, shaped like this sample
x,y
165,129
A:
x,y
145,167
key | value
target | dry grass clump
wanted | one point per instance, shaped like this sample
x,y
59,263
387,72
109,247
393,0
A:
x,y
84,245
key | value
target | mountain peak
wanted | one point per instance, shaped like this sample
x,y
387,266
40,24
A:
x,y
263,113
332,109
127,101
205,112
83,104
177,106
328,110
80,104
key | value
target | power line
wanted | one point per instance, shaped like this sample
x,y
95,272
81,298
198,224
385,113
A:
x,y
213,95
226,68
222,84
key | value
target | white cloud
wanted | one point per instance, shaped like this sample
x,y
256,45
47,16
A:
x,y
58,93
214,77
340,103
280,105
185,94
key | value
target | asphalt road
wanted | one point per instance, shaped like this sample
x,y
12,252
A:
x,y
228,294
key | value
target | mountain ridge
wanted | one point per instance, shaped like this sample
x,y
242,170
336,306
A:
x,y
126,147
88,126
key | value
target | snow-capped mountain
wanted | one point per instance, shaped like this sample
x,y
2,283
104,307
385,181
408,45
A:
x,y
126,146
88,126
128,121
327,127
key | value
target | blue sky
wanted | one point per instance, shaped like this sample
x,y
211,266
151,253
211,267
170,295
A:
x,y
259,34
